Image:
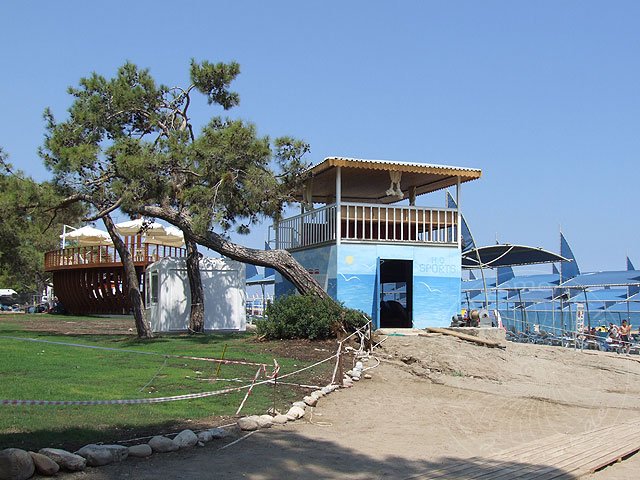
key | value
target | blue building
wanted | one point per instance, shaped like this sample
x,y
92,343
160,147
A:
x,y
363,236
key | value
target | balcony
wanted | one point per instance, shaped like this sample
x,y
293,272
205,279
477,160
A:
x,y
362,223
95,256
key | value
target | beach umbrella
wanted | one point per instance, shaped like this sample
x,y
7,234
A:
x,y
172,237
133,227
88,236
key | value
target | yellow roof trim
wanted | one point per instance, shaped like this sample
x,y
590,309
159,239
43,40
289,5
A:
x,y
408,167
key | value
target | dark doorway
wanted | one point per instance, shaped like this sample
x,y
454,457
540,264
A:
x,y
396,293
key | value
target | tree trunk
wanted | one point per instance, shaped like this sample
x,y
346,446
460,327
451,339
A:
x,y
131,280
280,260
196,317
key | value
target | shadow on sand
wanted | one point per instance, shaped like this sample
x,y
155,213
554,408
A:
x,y
286,454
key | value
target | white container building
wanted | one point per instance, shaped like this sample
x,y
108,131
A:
x,y
168,297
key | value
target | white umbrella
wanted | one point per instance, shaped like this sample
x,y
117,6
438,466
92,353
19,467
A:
x,y
133,227
173,237
88,236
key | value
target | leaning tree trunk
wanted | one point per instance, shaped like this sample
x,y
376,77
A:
x,y
280,260
196,317
131,280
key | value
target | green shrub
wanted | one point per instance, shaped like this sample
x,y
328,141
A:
x,y
307,316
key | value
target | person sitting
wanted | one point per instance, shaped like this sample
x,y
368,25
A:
x,y
613,339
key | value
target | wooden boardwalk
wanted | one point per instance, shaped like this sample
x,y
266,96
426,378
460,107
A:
x,y
560,456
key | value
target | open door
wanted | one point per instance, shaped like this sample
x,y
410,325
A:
x,y
395,284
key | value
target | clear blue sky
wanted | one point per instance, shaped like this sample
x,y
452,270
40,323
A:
x,y
542,96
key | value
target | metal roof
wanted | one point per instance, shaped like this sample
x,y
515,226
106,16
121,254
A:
x,y
415,167
545,281
365,180
602,279
260,279
478,284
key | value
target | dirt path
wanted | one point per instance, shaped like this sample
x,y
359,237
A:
x,y
431,402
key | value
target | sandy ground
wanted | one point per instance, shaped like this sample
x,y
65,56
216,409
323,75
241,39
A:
x,y
432,401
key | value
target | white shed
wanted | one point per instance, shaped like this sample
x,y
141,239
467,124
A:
x,y
168,298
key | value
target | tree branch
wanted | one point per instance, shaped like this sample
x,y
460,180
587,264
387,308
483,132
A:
x,y
105,211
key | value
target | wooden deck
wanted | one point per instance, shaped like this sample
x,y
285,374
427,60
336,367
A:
x,y
560,456
72,258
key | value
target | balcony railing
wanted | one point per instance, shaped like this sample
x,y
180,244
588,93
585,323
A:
x,y
87,257
368,223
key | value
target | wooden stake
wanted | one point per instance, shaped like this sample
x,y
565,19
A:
x,y
340,365
224,350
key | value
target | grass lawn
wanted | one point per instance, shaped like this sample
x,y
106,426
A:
x,y
134,369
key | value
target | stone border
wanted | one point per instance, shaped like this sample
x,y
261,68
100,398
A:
x,y
18,464
298,409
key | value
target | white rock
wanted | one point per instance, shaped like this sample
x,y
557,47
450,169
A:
x,y
16,464
98,455
359,366
295,412
318,394
302,404
218,432
204,436
66,460
280,419
186,439
140,451
355,379
248,424
265,421
327,390
311,401
162,444
367,376
44,465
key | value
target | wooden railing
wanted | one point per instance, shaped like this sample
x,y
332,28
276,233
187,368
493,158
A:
x,y
308,229
361,222
87,257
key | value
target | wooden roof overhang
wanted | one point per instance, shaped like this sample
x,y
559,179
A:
x,y
367,180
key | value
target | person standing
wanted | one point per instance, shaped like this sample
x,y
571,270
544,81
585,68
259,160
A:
x,y
625,336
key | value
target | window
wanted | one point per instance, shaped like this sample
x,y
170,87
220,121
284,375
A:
x,y
152,288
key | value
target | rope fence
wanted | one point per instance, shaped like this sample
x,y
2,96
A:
x,y
364,334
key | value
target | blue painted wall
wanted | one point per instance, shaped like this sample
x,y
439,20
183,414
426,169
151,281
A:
x,y
436,279
320,262
348,273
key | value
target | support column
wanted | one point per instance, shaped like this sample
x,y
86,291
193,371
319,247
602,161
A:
x,y
338,205
459,221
